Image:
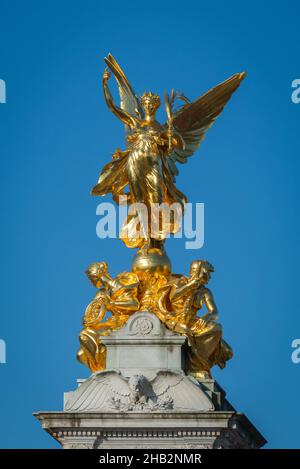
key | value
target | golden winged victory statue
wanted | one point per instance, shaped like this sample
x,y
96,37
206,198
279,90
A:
x,y
144,175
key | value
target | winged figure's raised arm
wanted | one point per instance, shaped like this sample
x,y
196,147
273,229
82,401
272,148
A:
x,y
130,109
194,119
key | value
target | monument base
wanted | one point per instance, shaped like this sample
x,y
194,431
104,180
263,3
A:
x,y
140,430
145,400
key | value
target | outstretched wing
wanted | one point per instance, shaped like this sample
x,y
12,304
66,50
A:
x,y
177,386
194,119
94,393
164,381
129,100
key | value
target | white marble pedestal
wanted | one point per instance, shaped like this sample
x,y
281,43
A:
x,y
145,400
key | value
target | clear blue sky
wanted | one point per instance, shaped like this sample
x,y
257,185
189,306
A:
x,y
55,135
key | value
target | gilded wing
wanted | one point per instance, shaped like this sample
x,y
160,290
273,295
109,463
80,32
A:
x,y
129,100
194,119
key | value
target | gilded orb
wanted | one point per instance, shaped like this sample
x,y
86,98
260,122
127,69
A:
x,y
154,260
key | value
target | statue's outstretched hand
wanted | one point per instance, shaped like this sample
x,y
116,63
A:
x,y
106,74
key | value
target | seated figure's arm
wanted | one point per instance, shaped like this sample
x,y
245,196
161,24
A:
x,y
177,291
212,310
128,304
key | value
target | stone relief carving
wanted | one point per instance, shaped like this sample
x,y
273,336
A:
x,y
140,398
141,326
111,390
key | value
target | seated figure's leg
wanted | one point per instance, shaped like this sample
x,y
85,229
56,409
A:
x,y
92,352
114,322
204,347
223,354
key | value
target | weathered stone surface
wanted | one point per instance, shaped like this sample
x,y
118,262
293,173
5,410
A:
x,y
142,345
111,391
145,400
214,429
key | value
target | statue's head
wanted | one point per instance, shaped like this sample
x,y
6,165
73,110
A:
x,y
150,103
95,271
136,384
201,270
